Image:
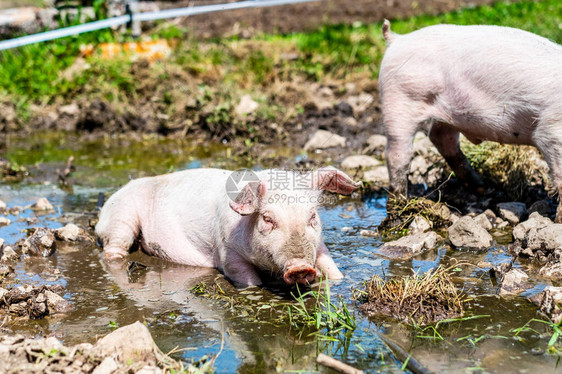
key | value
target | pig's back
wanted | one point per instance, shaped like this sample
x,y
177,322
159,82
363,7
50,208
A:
x,y
188,204
479,52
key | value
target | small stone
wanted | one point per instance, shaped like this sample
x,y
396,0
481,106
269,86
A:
x,y
3,206
419,225
549,237
542,207
514,281
535,221
56,303
376,143
549,302
490,214
378,175
512,211
107,366
466,232
323,139
41,243
5,270
361,102
246,106
4,221
70,232
423,146
129,344
484,264
349,121
70,109
8,254
483,220
369,233
42,204
552,271
359,161
409,246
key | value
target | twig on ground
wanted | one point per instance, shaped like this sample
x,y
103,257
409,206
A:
x,y
337,365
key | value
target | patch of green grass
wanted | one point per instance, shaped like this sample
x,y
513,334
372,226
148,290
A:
x,y
325,317
35,74
554,346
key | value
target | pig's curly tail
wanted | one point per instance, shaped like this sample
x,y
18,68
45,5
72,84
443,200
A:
x,y
388,35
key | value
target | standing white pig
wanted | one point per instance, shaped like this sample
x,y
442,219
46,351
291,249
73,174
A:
x,y
486,82
193,217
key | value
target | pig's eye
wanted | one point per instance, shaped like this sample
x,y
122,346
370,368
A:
x,y
312,219
269,220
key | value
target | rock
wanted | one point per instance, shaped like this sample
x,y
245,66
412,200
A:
x,y
466,232
490,214
423,146
8,254
130,343
3,206
378,175
4,221
42,204
349,121
419,165
535,221
369,233
246,106
419,225
323,139
549,302
107,366
483,221
484,264
512,211
409,246
542,207
376,144
359,161
56,303
70,109
552,271
513,282
18,309
548,237
41,243
361,102
150,370
5,270
70,232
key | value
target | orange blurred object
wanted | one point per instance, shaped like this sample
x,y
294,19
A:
x,y
150,50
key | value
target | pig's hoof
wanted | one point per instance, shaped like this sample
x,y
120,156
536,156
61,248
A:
x,y
113,255
300,274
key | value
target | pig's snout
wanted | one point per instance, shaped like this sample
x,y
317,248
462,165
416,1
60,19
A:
x,y
299,273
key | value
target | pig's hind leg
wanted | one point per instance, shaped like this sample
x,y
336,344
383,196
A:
x,y
446,140
117,229
548,139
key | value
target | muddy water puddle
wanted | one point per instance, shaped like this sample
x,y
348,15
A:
x,y
249,327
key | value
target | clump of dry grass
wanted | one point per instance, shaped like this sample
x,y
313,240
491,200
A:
x,y
516,169
417,299
401,212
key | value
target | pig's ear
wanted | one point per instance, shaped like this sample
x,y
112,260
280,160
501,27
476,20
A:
x,y
334,180
247,201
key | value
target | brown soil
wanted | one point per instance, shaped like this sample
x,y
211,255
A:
x,y
308,16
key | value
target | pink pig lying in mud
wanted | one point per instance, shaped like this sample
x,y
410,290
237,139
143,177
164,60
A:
x,y
486,82
238,222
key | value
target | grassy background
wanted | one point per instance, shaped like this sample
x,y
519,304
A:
x,y
34,74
